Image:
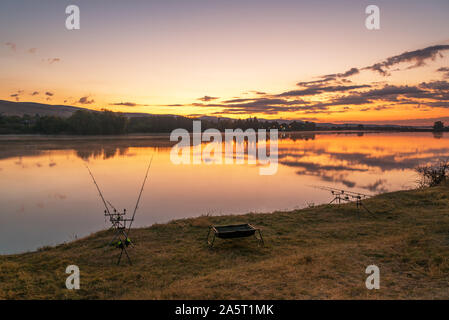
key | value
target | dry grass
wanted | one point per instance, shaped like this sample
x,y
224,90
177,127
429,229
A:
x,y
316,253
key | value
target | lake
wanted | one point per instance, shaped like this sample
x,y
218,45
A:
x,y
47,196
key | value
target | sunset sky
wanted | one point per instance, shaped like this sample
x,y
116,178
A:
x,y
309,60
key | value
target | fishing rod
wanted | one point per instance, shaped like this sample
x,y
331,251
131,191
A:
x,y
140,194
350,193
112,206
342,191
99,191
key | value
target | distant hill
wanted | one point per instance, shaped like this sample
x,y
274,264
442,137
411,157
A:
x,y
11,108
31,108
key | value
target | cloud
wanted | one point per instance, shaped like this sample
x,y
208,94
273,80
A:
x,y
346,74
207,98
391,92
35,93
313,90
258,92
417,57
437,91
85,100
260,105
313,82
435,85
436,94
379,108
238,100
52,60
433,94
335,77
445,71
11,45
127,104
16,95
50,94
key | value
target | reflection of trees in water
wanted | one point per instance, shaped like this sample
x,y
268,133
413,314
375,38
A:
x,y
299,136
110,152
123,151
83,148
437,134
104,152
88,153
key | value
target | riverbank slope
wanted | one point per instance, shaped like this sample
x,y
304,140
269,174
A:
x,y
314,253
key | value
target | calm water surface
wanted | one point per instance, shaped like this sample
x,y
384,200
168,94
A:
x,y
47,196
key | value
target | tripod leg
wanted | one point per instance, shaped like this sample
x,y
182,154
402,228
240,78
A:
x,y
208,233
261,238
112,240
361,204
126,252
120,257
211,243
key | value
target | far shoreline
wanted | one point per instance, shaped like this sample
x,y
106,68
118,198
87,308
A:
x,y
36,136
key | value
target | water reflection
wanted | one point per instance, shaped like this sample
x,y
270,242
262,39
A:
x,y
47,195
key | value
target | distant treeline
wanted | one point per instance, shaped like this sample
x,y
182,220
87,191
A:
x,y
80,122
106,122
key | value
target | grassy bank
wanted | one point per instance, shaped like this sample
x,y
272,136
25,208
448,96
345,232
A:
x,y
318,253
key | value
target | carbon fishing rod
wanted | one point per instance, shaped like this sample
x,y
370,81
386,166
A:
x,y
140,194
350,193
112,206
99,191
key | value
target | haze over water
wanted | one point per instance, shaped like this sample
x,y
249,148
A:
x,y
48,196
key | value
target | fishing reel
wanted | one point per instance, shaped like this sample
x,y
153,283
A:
x,y
121,244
